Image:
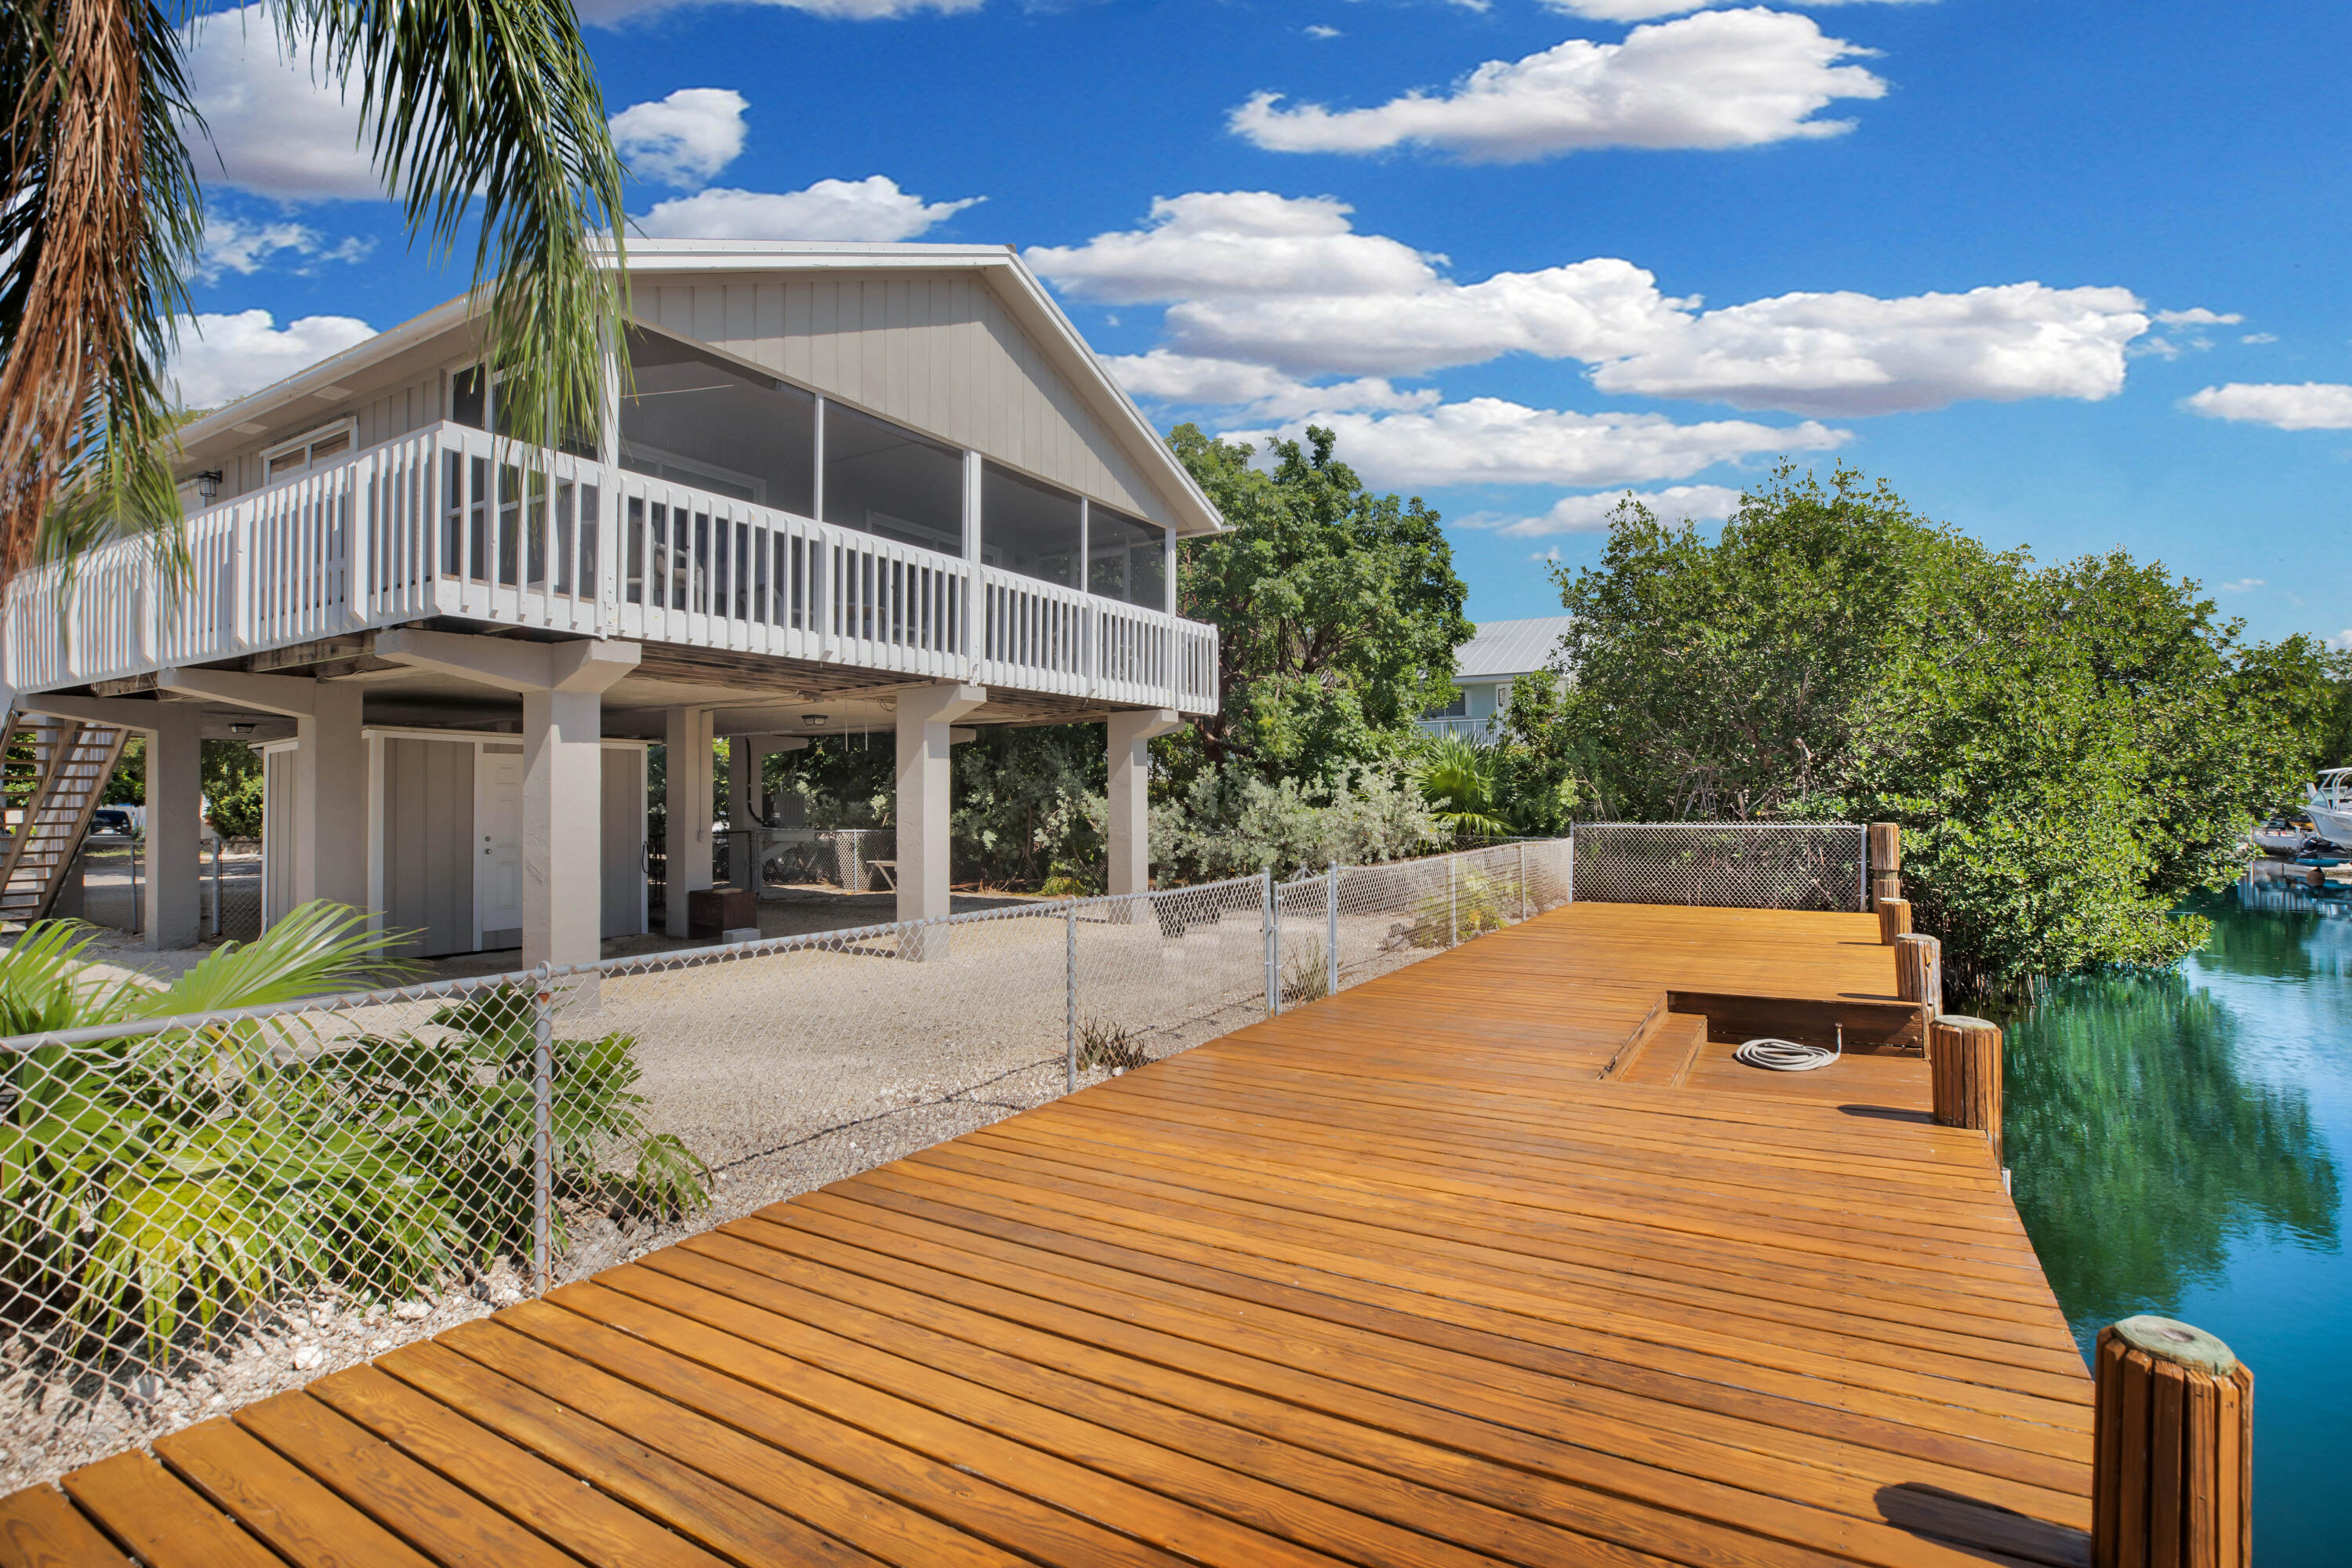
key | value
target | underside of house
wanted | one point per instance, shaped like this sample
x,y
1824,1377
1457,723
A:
x,y
836,488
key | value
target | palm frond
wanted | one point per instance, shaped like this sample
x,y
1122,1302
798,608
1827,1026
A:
x,y
100,215
313,949
45,985
1457,776
497,100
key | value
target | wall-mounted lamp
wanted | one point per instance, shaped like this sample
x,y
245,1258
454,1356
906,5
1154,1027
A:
x,y
240,729
209,484
814,720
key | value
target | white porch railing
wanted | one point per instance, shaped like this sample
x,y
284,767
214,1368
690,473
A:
x,y
452,522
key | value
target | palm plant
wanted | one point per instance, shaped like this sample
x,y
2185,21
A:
x,y
200,1169
1457,775
101,218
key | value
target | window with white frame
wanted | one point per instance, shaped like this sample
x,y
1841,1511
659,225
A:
x,y
307,450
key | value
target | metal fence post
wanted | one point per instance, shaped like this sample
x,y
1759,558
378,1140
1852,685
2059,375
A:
x,y
542,1137
1861,895
1568,888
1070,994
1453,902
1523,880
1272,924
217,927
1331,932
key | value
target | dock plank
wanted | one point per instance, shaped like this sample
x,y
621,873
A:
x,y
1402,1277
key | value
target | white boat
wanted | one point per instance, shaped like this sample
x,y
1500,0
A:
x,y
2285,833
2329,806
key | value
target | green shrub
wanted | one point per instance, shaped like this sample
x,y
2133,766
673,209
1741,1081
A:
x,y
147,1180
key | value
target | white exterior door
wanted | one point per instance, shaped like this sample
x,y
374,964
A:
x,y
498,824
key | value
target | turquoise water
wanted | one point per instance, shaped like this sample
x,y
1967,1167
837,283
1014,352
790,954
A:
x,y
2179,1146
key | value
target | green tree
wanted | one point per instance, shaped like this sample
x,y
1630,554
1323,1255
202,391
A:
x,y
1027,806
101,220
232,776
1337,612
2072,750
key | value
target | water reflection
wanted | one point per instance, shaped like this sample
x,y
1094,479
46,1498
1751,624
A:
x,y
2178,1145
2143,1150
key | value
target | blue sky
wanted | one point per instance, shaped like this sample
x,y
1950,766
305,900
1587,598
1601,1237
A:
x,y
1652,244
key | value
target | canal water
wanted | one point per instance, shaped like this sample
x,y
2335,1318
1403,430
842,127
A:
x,y
2180,1145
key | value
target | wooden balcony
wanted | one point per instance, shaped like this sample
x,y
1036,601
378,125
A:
x,y
453,522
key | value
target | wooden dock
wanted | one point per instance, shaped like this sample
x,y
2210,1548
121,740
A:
x,y
1436,1271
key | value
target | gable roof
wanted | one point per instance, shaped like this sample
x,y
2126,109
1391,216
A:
x,y
1502,649
657,261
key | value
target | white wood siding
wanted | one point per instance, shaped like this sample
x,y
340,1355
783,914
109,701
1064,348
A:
x,y
940,352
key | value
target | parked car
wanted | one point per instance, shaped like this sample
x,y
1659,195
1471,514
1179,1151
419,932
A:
x,y
111,819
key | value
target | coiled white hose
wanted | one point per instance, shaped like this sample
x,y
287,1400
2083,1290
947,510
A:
x,y
1787,1056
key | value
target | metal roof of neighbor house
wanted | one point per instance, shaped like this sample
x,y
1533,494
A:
x,y
1509,647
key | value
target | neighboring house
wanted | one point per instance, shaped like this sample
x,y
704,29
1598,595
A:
x,y
1484,669
851,486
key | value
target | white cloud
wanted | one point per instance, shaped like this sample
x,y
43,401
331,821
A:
x,y
2342,639
1319,31
1263,391
2306,406
607,13
2259,338
1287,282
2242,586
872,208
221,358
683,138
2198,316
1646,10
1238,244
1589,513
233,245
1854,354
1485,440
277,132
1725,79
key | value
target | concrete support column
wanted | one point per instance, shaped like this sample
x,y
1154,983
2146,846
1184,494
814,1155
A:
x,y
926,715
1127,823
175,795
173,910
562,688
563,827
331,859
327,836
687,809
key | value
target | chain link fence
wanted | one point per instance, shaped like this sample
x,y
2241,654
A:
x,y
106,883
198,1212
232,888
856,859
1724,865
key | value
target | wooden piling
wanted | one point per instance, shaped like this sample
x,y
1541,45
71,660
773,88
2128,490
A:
x,y
1964,1062
1893,920
2172,1446
1919,976
1885,862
